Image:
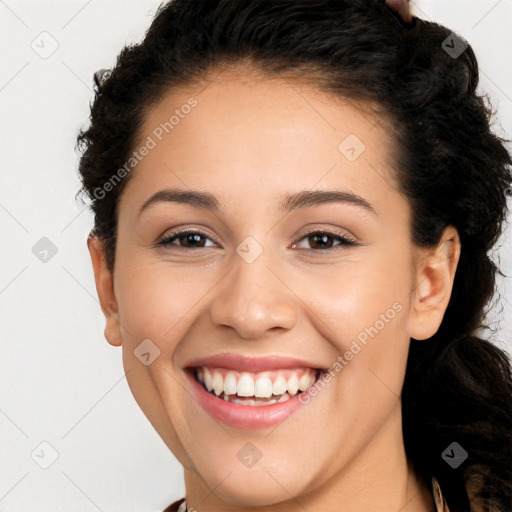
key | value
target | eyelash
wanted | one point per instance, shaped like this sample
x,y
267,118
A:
x,y
344,241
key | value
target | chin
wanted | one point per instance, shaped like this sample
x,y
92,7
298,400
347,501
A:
x,y
264,484
257,490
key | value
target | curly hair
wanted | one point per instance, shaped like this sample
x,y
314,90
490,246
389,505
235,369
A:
x,y
450,166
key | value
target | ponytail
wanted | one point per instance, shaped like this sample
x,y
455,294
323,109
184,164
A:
x,y
463,395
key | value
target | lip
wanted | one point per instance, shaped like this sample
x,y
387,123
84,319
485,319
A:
x,y
251,364
247,417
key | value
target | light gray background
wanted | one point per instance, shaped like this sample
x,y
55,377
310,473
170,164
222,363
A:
x,y
61,382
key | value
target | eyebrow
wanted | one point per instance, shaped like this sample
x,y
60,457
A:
x,y
203,200
290,202
308,198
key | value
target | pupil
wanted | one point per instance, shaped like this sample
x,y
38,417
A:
x,y
192,238
323,240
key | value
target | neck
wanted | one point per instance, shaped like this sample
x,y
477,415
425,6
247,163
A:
x,y
378,479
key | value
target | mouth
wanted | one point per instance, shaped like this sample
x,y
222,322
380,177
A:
x,y
255,389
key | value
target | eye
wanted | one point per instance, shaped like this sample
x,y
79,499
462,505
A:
x,y
323,240
186,240
318,240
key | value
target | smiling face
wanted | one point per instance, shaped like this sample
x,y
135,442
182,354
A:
x,y
301,251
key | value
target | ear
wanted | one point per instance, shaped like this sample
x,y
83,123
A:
x,y
434,276
105,288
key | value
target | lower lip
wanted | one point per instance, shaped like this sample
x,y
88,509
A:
x,y
248,417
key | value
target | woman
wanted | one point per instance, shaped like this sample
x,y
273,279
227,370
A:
x,y
294,206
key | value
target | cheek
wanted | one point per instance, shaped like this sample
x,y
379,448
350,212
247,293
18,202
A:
x,y
157,300
345,298
156,303
361,308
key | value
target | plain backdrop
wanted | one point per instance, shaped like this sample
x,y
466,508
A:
x,y
72,438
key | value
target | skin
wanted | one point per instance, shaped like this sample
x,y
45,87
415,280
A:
x,y
402,7
249,142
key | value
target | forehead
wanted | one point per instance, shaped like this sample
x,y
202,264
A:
x,y
258,138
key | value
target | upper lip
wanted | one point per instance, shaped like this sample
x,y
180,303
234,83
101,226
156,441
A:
x,y
251,364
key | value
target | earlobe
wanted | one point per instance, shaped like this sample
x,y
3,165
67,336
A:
x,y
435,274
105,289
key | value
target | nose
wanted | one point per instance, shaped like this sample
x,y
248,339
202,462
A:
x,y
253,300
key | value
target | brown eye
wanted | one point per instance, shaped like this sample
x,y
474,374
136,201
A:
x,y
186,240
320,240
191,240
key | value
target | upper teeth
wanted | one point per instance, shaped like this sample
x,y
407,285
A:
x,y
261,385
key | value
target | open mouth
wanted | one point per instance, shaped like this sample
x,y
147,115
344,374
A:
x,y
257,389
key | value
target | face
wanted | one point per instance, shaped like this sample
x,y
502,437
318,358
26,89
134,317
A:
x,y
297,265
